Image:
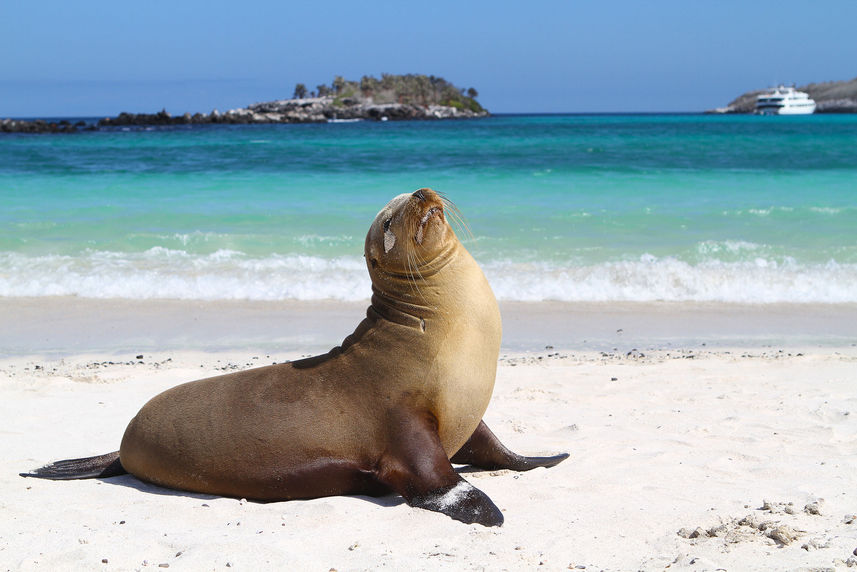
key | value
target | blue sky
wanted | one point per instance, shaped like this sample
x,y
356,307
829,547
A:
x,y
98,57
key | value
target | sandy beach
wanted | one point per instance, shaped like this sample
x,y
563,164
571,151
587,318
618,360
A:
x,y
702,437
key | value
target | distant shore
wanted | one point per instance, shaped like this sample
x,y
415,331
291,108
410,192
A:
x,y
829,97
309,110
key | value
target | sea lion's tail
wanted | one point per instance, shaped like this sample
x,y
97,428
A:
x,y
86,468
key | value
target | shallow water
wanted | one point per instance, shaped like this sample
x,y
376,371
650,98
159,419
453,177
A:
x,y
609,207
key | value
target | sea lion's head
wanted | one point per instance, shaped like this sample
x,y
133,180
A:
x,y
410,236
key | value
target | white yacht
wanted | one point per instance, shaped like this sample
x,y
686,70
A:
x,y
785,100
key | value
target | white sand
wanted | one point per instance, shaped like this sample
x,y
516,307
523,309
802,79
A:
x,y
670,451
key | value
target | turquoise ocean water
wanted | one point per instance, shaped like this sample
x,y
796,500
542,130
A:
x,y
638,208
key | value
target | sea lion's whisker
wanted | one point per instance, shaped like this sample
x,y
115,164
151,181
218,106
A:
x,y
414,272
457,218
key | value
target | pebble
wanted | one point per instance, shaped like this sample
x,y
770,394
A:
x,y
813,508
782,534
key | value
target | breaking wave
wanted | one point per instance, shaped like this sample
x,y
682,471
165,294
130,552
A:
x,y
232,275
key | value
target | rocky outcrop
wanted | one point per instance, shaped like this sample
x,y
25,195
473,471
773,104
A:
x,y
42,126
830,97
845,105
745,103
161,118
834,96
307,110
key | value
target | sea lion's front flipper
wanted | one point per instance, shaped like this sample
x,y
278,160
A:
x,y
416,467
462,501
484,450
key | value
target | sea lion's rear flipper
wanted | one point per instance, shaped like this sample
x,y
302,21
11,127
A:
x,y
86,468
484,450
416,467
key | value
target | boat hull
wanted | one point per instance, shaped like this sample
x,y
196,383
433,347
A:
x,y
802,110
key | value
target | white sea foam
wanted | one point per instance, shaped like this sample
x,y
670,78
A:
x,y
231,275
759,280
165,273
825,210
313,239
760,212
731,246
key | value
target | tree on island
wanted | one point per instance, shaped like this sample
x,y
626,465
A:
x,y
409,89
369,85
300,91
338,84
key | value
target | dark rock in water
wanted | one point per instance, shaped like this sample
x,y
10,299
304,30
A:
x,y
148,119
308,110
38,126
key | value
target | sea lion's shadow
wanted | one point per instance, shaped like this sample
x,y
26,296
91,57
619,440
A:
x,y
387,500
468,469
133,482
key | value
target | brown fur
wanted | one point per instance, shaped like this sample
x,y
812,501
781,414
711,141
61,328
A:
x,y
322,426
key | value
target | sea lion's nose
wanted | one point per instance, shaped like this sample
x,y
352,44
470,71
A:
x,y
419,194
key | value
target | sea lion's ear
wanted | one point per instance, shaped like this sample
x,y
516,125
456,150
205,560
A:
x,y
371,254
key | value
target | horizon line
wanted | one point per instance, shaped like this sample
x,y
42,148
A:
x,y
491,114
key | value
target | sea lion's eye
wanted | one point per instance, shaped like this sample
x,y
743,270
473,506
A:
x,y
387,224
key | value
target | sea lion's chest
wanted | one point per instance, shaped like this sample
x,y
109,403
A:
x,y
466,367
445,360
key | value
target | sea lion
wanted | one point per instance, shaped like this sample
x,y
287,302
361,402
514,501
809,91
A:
x,y
388,410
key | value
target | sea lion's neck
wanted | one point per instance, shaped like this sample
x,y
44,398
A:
x,y
398,311
408,299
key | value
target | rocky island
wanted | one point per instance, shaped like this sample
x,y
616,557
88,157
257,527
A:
x,y
829,96
392,97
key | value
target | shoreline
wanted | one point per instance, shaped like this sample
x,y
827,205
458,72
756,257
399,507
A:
x,y
71,325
